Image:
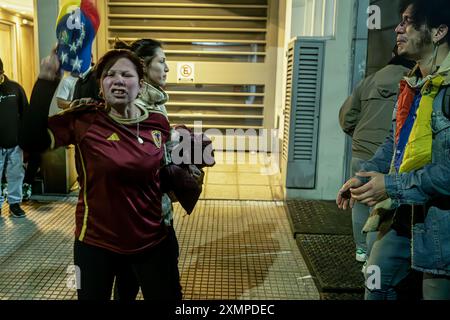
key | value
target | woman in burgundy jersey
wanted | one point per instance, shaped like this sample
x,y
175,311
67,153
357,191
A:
x,y
153,98
119,151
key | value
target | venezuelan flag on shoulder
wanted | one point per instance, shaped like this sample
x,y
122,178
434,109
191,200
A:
x,y
76,27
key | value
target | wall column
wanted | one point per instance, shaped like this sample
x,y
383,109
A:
x,y
45,15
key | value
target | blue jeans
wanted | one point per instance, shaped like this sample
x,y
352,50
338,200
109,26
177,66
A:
x,y
360,213
370,240
436,287
12,160
389,263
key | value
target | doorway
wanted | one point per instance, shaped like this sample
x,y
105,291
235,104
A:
x,y
6,49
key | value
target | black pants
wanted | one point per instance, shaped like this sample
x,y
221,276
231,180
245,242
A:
x,y
126,285
153,269
33,164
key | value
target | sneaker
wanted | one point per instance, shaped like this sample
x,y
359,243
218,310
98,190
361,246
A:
x,y
16,210
26,192
360,255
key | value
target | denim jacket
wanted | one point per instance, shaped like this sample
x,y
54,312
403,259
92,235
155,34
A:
x,y
431,239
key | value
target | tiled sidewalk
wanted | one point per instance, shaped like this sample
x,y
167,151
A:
x,y
229,250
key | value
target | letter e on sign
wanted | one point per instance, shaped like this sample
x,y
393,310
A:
x,y
186,72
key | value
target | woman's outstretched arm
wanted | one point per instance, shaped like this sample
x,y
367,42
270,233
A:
x,y
33,135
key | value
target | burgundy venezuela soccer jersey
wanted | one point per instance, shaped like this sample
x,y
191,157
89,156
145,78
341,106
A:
x,y
119,205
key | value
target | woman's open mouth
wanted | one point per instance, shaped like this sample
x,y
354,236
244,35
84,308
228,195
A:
x,y
119,93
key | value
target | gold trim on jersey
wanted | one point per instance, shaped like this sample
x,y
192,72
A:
x,y
86,207
142,117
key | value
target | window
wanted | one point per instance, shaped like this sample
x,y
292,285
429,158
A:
x,y
314,18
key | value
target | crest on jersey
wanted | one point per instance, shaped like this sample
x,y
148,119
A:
x,y
156,135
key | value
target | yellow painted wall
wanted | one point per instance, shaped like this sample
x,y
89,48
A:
x,y
26,56
17,49
6,49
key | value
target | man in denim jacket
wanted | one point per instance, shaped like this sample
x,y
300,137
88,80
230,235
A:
x,y
365,117
410,172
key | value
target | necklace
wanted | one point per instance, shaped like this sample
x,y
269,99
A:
x,y
139,139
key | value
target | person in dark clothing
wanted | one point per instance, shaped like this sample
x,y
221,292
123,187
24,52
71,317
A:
x,y
87,87
13,101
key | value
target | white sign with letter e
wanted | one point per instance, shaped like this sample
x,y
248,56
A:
x,y
186,72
